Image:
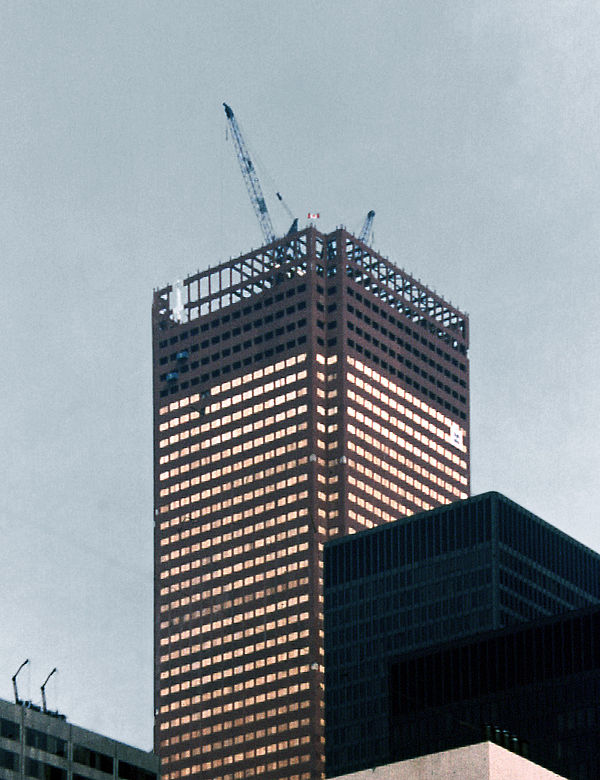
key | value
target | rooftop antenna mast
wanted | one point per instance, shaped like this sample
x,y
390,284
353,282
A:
x,y
14,681
43,689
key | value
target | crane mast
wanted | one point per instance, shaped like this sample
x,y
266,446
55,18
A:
x,y
365,233
250,178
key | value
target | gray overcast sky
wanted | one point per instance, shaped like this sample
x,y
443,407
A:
x,y
470,127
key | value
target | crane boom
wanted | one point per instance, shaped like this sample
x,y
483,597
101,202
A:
x,y
365,233
43,689
250,178
14,681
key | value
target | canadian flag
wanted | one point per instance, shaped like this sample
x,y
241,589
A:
x,y
313,216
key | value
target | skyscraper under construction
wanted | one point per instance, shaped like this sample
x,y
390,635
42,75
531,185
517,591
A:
x,y
307,389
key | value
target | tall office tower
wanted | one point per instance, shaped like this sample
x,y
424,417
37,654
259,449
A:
x,y
304,390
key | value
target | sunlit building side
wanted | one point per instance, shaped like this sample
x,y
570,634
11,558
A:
x,y
305,390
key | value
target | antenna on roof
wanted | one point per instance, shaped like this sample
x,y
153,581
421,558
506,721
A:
x,y
43,689
14,681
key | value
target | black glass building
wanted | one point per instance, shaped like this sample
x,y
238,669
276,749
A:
x,y
473,566
537,686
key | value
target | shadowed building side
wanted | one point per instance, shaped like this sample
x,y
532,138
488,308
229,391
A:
x,y
456,571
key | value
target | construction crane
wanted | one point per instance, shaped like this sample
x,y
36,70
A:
x,y
43,689
14,681
365,233
252,181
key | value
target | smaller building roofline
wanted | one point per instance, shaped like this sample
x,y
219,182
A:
x,y
492,495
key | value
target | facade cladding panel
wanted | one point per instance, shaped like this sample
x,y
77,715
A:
x,y
305,390
539,683
473,566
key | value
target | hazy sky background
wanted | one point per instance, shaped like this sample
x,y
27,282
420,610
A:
x,y
472,129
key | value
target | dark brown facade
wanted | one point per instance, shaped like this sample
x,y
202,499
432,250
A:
x,y
307,389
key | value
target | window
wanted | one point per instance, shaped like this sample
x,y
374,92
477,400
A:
x,y
93,759
8,759
128,771
44,771
46,742
9,729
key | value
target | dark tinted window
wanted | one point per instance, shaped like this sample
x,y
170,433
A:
x,y
9,760
130,772
93,759
46,742
44,771
9,729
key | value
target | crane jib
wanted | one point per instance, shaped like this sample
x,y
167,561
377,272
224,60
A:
x,y
250,178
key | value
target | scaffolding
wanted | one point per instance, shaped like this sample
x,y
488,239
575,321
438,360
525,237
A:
x,y
328,256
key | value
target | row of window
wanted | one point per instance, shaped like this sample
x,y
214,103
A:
x,y
534,539
237,331
408,312
545,578
535,596
248,754
398,391
225,587
372,424
217,620
286,522
257,627
226,572
218,710
395,488
450,529
408,380
397,457
212,543
248,736
215,670
243,562
218,456
407,345
211,693
226,436
435,381
245,466
217,592
183,336
227,503
255,357
219,486
81,755
236,314
225,387
238,652
246,411
408,430
248,771
384,467
438,597
261,750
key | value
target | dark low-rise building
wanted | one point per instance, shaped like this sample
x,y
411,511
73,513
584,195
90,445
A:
x,y
454,572
44,745
536,687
